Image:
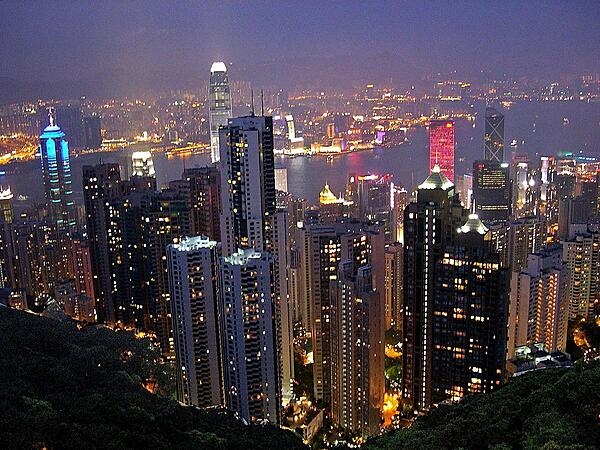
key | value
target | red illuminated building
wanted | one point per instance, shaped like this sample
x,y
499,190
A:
x,y
441,146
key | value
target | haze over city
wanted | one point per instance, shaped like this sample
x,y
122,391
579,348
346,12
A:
x,y
120,48
292,225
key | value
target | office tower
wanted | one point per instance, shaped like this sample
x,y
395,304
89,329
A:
x,y
193,274
469,309
583,208
56,175
581,254
375,201
394,289
142,164
400,199
357,353
247,184
249,334
494,136
491,190
101,184
430,224
323,247
70,120
219,106
205,198
523,190
92,134
332,207
539,306
441,147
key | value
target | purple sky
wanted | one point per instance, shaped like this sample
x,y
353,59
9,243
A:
x,y
286,42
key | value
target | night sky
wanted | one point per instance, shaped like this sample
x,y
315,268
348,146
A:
x,y
291,42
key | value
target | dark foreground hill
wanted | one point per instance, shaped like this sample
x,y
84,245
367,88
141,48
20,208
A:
x,y
61,387
549,409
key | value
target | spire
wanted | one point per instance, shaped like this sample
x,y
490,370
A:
x,y
51,116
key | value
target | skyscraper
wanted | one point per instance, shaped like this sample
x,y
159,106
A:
x,y
491,190
250,219
323,248
494,136
441,147
92,135
357,350
247,184
219,105
56,174
205,198
430,225
249,336
469,309
193,276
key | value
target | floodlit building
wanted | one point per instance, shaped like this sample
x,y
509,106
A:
x,y
219,105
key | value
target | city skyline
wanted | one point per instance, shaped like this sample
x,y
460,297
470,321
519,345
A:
x,y
140,46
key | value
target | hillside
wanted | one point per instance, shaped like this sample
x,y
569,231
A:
x,y
550,409
67,388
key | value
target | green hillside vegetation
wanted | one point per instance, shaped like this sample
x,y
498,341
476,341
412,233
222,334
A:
x,y
61,387
548,409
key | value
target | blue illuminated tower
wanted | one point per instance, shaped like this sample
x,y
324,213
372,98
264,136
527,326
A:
x,y
56,173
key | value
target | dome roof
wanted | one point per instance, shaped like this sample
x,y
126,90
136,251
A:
x,y
218,66
473,224
326,197
436,180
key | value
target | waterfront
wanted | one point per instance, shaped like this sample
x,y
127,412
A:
x,y
538,127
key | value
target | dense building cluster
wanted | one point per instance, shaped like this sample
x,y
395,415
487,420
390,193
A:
x,y
239,281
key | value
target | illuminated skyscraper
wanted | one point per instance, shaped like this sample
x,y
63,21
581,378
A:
x,y
494,136
56,174
142,164
249,336
205,198
441,146
193,267
430,224
357,350
491,190
219,105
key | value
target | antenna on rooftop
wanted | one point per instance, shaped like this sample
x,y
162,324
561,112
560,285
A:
x,y
262,103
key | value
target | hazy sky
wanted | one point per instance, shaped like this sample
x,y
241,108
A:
x,y
297,40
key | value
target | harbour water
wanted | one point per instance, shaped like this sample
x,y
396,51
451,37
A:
x,y
539,128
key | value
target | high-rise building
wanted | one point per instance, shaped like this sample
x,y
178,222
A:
x,y
430,224
357,353
469,309
219,105
247,184
193,285
525,236
539,306
56,175
581,255
494,136
101,184
323,247
142,164
491,190
441,147
205,198
82,265
249,336
92,134
375,201
394,289
250,219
